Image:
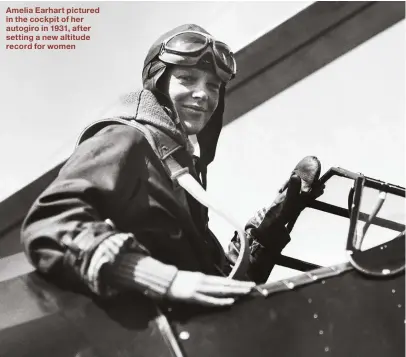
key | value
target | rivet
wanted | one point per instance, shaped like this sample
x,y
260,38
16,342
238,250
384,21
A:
x,y
184,335
393,291
289,284
323,281
314,277
326,349
315,316
399,305
309,275
309,300
321,332
385,271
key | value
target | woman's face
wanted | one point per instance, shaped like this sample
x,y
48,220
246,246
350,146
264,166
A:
x,y
194,93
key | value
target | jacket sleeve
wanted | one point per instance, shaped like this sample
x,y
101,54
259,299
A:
x,y
264,253
66,234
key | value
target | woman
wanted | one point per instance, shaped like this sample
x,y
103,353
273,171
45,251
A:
x,y
115,221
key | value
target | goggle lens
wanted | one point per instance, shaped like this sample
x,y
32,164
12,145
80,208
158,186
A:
x,y
225,55
187,42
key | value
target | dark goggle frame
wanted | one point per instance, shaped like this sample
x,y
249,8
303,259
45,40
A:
x,y
225,69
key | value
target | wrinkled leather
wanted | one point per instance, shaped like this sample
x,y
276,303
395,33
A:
x,y
114,174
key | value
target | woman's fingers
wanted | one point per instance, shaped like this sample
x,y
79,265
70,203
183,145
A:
x,y
223,286
212,301
207,289
219,290
212,279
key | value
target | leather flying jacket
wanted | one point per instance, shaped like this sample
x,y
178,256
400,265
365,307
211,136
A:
x,y
115,185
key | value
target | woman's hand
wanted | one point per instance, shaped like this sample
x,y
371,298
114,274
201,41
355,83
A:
x,y
135,271
207,290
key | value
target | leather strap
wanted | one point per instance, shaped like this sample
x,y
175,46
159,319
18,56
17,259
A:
x,y
181,175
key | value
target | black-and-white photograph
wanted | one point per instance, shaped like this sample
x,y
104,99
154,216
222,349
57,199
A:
x,y
200,178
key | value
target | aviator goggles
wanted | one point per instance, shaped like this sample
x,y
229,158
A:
x,y
187,48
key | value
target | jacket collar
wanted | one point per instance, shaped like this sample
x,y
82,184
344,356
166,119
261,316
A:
x,y
144,107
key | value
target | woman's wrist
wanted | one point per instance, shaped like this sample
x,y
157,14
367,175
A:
x,y
133,271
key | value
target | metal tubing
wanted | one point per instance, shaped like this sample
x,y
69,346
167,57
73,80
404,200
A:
x,y
296,264
343,212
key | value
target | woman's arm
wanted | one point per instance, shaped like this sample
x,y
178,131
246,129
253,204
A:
x,y
65,234
65,226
